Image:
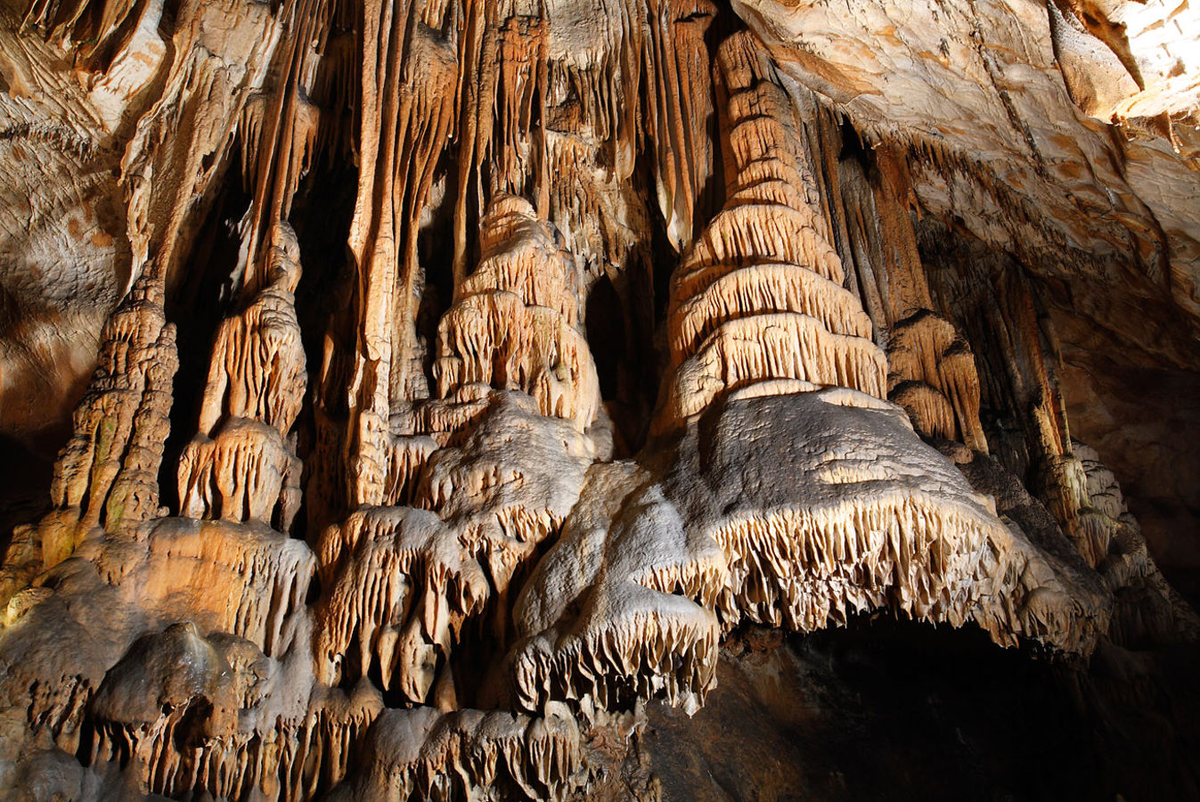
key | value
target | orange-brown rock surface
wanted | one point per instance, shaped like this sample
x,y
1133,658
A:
x,y
557,399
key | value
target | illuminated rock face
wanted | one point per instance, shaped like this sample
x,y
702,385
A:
x,y
472,378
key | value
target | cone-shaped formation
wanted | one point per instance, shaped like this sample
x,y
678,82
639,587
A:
x,y
108,472
759,296
258,366
241,465
106,478
517,325
839,533
857,514
516,330
515,468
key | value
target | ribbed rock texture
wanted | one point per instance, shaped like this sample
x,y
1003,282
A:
x,y
465,391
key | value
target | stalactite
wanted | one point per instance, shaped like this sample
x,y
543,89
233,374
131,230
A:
x,y
424,754
401,585
621,607
932,372
996,307
677,58
279,128
90,23
924,349
202,102
405,121
1147,610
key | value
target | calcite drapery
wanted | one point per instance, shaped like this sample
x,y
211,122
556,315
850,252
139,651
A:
x,y
519,222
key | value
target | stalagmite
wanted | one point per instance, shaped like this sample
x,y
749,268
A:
x,y
106,478
499,458
517,323
759,297
241,465
258,369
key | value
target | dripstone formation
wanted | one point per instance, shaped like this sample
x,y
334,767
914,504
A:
x,y
448,399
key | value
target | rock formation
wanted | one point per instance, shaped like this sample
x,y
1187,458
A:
x,y
240,466
478,390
